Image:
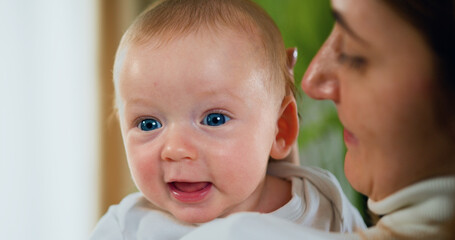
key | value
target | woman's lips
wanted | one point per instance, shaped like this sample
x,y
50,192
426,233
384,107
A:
x,y
349,138
189,192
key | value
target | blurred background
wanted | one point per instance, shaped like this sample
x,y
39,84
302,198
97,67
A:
x,y
62,161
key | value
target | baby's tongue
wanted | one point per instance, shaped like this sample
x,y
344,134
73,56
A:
x,y
190,187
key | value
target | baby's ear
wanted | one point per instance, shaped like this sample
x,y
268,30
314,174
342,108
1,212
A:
x,y
291,59
287,129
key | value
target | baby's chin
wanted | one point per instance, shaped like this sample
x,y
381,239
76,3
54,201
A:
x,y
195,218
196,215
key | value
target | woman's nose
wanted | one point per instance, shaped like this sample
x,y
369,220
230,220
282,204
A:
x,y
178,145
321,80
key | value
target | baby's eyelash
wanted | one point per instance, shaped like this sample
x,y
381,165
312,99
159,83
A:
x,y
138,120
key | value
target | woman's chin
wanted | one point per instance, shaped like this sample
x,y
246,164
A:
x,y
356,176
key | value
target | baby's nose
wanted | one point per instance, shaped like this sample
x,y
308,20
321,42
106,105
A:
x,y
179,145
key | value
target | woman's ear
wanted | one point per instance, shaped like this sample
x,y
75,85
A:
x,y
291,59
287,129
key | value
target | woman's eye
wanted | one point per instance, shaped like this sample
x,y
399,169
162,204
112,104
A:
x,y
215,119
355,62
149,124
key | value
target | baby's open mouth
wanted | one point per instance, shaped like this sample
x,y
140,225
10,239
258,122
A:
x,y
190,187
189,192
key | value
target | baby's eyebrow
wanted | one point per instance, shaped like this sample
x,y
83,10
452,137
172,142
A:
x,y
135,105
135,101
226,93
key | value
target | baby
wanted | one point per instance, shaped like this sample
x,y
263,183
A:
x,y
205,98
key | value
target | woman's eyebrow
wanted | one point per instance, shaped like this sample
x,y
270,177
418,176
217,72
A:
x,y
340,20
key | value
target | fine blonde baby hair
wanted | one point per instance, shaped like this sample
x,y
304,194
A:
x,y
165,20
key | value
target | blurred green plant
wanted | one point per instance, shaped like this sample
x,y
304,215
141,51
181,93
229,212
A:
x,y
305,24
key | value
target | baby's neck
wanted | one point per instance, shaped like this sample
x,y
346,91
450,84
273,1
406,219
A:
x,y
276,193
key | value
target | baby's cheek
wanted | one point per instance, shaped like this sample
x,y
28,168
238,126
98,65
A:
x,y
143,167
240,172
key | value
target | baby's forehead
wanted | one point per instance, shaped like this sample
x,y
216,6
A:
x,y
217,54
155,38
226,38
246,48
194,63
216,46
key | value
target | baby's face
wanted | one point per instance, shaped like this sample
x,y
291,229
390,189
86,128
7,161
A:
x,y
198,124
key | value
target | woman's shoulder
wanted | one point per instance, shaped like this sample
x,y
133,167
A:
x,y
325,184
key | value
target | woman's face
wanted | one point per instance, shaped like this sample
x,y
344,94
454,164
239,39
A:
x,y
379,72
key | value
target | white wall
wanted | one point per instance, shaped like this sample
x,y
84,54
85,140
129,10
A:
x,y
48,117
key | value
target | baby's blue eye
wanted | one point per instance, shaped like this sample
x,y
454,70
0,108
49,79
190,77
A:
x,y
215,119
149,125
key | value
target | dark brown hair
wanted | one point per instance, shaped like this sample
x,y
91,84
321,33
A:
x,y
436,22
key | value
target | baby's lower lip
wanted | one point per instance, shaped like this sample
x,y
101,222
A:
x,y
190,192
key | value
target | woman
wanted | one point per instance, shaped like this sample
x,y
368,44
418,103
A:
x,y
388,66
